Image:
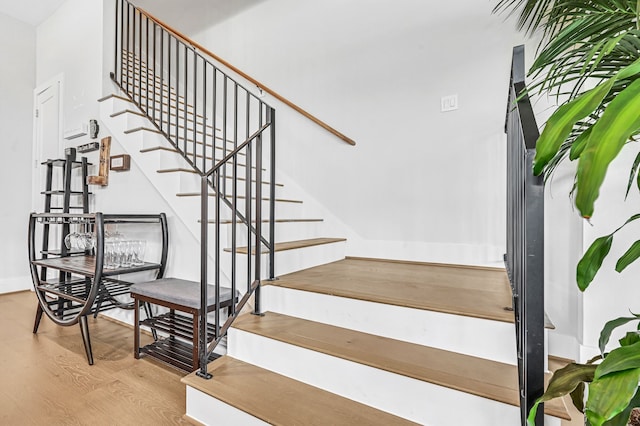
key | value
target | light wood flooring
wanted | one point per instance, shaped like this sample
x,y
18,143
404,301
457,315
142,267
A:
x,y
45,378
460,290
477,376
262,392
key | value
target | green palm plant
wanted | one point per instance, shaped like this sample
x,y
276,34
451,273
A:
x,y
589,57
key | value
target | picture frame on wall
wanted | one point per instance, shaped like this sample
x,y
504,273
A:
x,y
120,163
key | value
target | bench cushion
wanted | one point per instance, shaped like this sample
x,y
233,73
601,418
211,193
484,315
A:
x,y
180,292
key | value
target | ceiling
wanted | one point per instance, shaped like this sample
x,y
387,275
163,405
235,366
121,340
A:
x,y
32,12
195,14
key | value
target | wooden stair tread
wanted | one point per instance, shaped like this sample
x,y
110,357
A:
x,y
180,126
453,289
292,245
228,221
212,194
185,170
478,376
261,393
190,154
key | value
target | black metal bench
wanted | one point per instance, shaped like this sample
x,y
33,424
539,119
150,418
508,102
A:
x,y
177,344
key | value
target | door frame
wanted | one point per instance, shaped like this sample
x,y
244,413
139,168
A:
x,y
36,149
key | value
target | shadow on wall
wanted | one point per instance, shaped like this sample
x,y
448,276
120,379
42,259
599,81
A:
x,y
194,15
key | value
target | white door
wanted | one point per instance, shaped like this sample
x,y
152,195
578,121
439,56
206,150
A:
x,y
47,136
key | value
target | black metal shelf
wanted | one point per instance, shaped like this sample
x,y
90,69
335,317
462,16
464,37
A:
x,y
82,285
173,352
63,162
177,325
86,265
61,192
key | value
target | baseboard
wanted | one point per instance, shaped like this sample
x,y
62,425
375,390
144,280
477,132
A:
x,y
13,285
563,346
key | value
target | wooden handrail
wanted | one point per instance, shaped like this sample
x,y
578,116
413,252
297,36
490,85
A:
x,y
244,75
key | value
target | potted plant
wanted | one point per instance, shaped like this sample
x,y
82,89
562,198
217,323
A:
x,y
589,55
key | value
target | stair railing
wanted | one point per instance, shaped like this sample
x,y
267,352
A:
x,y
203,113
524,259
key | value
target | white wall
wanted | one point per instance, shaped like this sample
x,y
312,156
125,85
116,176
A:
x,y
17,73
69,42
376,72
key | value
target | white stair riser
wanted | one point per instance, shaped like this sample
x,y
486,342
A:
x,y
117,106
283,209
288,261
192,182
210,411
454,333
419,401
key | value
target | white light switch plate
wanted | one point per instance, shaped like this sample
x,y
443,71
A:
x,y
449,103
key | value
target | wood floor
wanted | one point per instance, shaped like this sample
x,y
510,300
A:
x,y
45,378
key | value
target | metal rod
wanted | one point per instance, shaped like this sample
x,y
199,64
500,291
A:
x,y
155,60
194,99
204,256
117,70
217,258
272,195
138,32
204,115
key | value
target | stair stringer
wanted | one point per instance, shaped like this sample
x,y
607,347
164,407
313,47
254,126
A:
x,y
188,209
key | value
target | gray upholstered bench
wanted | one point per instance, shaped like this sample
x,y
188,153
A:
x,y
176,295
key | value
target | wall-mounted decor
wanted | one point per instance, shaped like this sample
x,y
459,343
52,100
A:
x,y
88,147
120,163
93,129
103,170
75,132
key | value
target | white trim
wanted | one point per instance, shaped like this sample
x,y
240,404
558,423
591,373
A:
x,y
11,285
36,151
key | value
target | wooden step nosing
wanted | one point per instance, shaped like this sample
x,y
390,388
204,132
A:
x,y
240,197
184,170
392,348
292,245
189,154
226,365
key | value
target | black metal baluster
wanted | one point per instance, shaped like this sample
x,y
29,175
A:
x,y
169,84
195,108
117,70
234,216
224,132
217,257
138,33
248,206
215,119
186,100
155,72
204,258
272,194
204,115
147,61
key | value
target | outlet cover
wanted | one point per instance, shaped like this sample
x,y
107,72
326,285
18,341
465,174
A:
x,y
449,103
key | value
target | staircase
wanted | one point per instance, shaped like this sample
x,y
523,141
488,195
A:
x,y
371,332
337,340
